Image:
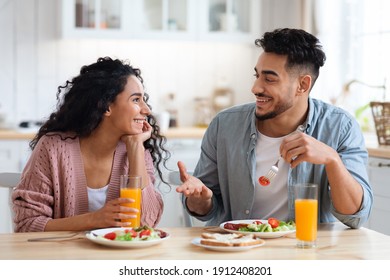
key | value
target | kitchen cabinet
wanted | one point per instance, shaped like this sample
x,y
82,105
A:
x,y
94,18
235,20
379,174
231,20
13,156
6,225
131,19
166,19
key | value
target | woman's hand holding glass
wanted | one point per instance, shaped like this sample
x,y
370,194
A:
x,y
112,213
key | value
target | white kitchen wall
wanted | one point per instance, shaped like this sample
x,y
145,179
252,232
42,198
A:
x,y
35,60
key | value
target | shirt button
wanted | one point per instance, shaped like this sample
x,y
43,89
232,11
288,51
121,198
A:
x,y
247,212
253,136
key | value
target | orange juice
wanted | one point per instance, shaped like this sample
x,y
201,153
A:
x,y
134,193
306,219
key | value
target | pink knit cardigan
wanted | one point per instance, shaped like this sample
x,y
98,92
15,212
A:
x,y
53,185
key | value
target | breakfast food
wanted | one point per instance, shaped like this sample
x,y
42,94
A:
x,y
230,239
135,234
272,225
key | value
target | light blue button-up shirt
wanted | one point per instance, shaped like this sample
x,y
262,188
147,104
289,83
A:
x,y
227,163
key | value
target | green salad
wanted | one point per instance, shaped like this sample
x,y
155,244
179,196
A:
x,y
144,233
272,225
267,227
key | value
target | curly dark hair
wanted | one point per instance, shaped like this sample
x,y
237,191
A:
x,y
303,50
87,97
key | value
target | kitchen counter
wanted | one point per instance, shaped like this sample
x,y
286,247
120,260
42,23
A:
x,y
374,149
379,151
179,132
185,132
8,134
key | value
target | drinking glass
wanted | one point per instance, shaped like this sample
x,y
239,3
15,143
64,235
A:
x,y
306,214
130,187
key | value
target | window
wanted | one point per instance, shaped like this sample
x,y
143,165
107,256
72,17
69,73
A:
x,y
356,38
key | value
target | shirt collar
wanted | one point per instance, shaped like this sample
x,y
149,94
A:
x,y
310,116
253,124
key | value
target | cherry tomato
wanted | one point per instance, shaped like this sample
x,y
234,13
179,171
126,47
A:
x,y
110,235
264,181
145,232
131,232
274,223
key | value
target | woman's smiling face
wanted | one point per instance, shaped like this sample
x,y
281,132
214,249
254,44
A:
x,y
129,111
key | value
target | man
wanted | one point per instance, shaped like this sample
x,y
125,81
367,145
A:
x,y
243,142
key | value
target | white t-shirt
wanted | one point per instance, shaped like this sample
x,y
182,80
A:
x,y
271,200
96,198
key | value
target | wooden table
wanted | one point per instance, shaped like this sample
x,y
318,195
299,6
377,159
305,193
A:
x,y
335,241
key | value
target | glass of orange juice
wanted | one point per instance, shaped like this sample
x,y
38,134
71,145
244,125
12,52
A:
x,y
130,187
306,214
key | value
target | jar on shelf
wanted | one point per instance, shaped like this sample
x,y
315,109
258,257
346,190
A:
x,y
203,112
171,108
223,95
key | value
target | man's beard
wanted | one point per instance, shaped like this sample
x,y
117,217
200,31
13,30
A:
x,y
278,110
267,116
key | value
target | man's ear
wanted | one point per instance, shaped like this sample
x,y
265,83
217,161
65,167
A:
x,y
304,84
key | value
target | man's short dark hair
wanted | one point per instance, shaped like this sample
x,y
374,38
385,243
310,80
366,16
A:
x,y
303,50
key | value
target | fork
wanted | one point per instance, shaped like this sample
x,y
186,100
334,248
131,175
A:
x,y
55,238
266,179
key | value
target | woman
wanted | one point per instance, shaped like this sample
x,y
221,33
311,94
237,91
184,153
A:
x,y
102,128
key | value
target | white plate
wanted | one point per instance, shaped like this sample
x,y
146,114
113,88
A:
x,y
275,234
196,242
96,236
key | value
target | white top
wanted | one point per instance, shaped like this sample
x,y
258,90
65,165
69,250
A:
x,y
96,198
271,200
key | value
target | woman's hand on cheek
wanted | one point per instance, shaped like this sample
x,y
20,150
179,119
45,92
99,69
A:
x,y
147,130
141,137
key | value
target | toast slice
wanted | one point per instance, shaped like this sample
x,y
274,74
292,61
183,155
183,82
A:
x,y
230,239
